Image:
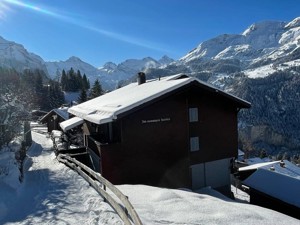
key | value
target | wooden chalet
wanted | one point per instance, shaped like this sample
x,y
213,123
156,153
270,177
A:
x,y
175,132
54,118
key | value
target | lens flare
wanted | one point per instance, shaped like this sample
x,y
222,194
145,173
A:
x,y
86,25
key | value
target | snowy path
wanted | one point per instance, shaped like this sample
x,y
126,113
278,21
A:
x,y
54,194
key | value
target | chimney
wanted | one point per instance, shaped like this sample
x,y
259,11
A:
x,y
141,78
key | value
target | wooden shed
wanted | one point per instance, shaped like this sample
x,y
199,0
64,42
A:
x,y
54,118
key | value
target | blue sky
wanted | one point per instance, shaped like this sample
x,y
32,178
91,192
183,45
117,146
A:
x,y
98,31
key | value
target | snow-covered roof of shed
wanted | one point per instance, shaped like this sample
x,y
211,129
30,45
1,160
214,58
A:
x,y
106,108
277,185
62,112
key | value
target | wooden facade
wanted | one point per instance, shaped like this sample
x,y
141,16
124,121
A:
x,y
160,142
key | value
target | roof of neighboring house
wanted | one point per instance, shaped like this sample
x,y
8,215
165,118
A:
x,y
284,167
62,112
277,185
108,107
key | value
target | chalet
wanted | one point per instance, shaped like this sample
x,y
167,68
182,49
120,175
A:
x,y
54,117
274,185
175,132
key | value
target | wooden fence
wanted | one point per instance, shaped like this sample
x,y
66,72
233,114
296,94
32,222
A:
x,y
126,211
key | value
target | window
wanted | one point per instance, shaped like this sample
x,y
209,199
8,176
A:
x,y
193,114
194,144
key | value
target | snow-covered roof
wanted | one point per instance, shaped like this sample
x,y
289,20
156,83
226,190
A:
x,y
277,185
258,165
284,167
71,123
62,112
106,108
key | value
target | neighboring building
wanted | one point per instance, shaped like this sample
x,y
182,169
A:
x,y
54,118
176,132
275,185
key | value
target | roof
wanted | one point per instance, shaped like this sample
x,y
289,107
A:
x,y
108,107
258,165
71,123
62,112
284,167
277,185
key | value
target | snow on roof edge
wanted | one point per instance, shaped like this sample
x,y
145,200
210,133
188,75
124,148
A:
x,y
71,123
110,116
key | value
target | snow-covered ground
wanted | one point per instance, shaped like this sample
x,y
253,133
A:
x,y
54,194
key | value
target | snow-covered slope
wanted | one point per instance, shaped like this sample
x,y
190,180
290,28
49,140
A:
x,y
54,194
13,55
260,44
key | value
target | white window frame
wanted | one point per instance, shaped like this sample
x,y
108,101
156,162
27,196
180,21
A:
x,y
193,115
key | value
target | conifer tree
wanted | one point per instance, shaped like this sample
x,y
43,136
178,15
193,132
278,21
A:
x,y
83,96
64,80
85,82
96,90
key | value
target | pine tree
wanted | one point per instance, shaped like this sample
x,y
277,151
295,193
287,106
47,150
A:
x,y
83,96
85,82
64,80
96,90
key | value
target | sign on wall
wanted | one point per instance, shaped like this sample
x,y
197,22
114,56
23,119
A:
x,y
160,120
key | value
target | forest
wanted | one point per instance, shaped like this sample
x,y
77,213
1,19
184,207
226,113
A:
x,y
21,94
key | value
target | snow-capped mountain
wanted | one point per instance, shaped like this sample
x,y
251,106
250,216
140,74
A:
x,y
264,43
55,68
110,73
13,55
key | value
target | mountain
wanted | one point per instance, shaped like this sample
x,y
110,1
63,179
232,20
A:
x,y
55,68
264,43
13,55
115,74
110,74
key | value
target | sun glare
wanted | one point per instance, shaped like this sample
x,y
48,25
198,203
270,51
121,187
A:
x,y
78,22
3,10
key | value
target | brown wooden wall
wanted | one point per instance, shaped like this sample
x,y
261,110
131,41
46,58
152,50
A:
x,y
156,152
152,151
216,128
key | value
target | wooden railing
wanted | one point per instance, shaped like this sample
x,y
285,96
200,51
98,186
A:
x,y
126,212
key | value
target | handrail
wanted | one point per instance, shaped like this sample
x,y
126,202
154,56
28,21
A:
x,y
89,174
